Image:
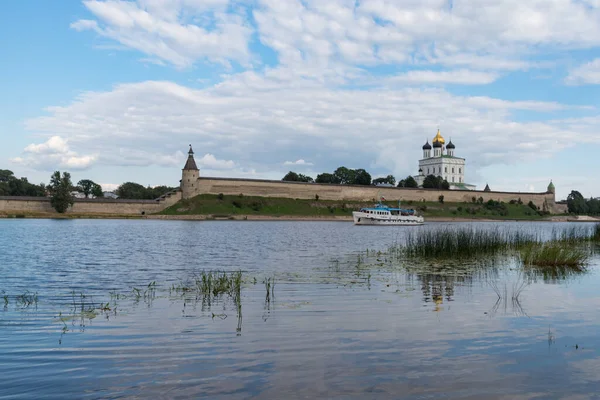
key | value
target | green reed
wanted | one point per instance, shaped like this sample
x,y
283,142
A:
x,y
460,242
469,242
554,254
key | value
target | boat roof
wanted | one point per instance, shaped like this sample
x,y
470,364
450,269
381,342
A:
x,y
383,207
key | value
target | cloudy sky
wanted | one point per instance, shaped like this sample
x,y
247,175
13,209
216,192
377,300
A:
x,y
116,90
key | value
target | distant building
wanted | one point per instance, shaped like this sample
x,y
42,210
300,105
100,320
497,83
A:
x,y
110,195
439,160
78,195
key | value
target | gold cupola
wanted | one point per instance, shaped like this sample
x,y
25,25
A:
x,y
438,139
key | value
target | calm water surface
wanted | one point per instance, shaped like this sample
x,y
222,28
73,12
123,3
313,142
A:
x,y
338,324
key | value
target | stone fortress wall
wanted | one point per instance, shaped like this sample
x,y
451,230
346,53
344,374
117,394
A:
x,y
300,190
15,205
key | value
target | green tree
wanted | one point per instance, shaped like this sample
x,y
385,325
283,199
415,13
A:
x,y
290,177
345,176
576,204
305,178
10,185
430,182
89,187
132,190
97,191
361,177
410,182
390,180
60,191
5,175
294,177
435,182
326,178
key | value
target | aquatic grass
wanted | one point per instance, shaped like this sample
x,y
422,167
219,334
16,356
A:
x,y
217,283
469,242
460,242
26,299
554,254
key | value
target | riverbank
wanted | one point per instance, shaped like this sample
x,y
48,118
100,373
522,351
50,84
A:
x,y
252,207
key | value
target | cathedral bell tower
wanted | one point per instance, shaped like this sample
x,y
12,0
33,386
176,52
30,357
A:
x,y
189,176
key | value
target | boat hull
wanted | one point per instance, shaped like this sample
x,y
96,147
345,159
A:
x,y
390,220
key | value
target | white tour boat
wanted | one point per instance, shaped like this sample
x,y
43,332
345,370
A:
x,y
384,215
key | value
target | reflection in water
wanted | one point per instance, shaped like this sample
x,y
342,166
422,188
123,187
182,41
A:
x,y
358,328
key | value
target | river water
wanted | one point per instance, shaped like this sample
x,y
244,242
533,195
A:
x,y
80,321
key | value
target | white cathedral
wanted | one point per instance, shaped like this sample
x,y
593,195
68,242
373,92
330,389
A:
x,y
447,166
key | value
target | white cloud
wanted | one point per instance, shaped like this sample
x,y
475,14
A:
x,y
211,162
54,153
588,73
298,162
179,32
491,35
109,187
461,76
152,122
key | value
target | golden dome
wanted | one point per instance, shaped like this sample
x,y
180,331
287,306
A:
x,y
438,138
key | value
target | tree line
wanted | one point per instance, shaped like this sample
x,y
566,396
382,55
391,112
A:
x,y
61,188
347,176
577,204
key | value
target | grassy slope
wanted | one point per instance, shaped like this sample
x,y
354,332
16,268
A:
x,y
247,205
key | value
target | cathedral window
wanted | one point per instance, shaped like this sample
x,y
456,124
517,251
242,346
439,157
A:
x,y
452,169
446,169
460,170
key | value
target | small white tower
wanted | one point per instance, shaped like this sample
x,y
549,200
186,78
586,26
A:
x,y
427,150
450,148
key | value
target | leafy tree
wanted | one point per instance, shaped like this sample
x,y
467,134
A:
x,y
576,204
10,185
345,176
435,182
97,191
361,177
390,180
290,177
60,191
441,198
430,182
157,191
132,190
326,178
294,177
410,182
5,175
89,187
402,183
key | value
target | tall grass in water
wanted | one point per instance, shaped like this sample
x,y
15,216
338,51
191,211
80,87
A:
x,y
461,242
554,254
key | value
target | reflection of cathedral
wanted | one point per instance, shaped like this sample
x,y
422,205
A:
x,y
437,287
442,162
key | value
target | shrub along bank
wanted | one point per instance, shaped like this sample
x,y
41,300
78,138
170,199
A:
x,y
225,205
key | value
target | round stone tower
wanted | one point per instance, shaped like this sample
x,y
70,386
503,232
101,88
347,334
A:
x,y
551,188
189,177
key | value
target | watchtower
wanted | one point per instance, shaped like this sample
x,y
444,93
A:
x,y
189,176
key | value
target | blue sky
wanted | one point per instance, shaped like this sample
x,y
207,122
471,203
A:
x,y
115,90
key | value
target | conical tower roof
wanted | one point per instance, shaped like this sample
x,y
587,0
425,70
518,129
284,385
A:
x,y
190,164
551,188
487,188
